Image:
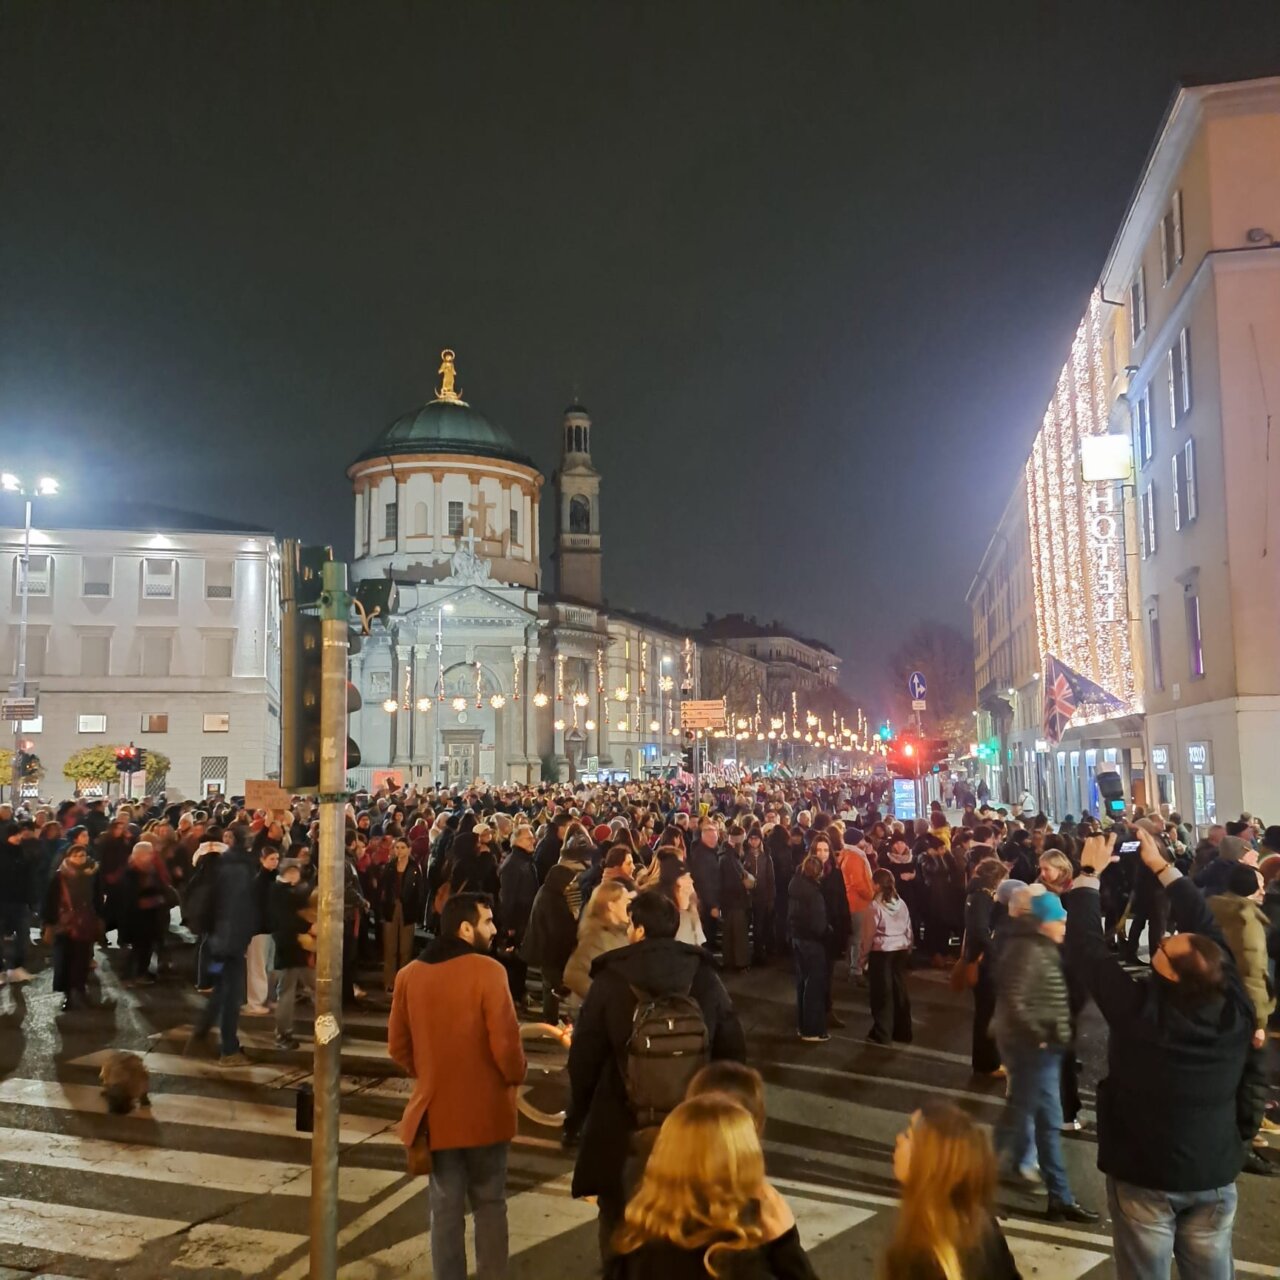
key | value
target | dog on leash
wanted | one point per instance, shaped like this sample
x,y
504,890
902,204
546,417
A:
x,y
125,1081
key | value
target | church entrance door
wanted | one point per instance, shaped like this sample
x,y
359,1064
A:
x,y
462,763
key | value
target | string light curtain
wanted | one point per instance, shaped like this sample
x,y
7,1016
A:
x,y
1076,529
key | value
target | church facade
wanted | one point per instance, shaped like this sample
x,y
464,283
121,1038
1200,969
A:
x,y
478,674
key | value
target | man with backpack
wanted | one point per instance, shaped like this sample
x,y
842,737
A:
x,y
655,1014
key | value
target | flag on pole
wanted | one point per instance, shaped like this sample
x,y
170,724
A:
x,y
1066,692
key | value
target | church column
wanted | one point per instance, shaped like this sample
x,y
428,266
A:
x,y
400,673
360,501
423,721
531,712
402,516
437,502
535,533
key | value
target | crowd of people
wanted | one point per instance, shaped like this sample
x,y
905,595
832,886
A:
x,y
619,910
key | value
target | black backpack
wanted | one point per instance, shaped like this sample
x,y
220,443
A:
x,y
199,895
667,1047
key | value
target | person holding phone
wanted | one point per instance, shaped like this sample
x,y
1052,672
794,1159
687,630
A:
x,y
1184,1089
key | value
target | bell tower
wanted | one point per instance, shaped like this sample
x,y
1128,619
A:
x,y
577,485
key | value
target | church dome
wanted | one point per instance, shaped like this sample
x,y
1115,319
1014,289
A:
x,y
447,424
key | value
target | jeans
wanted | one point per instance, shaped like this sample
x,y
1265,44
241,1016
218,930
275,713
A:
x,y
811,987
1034,1108
857,922
257,961
477,1175
290,979
224,1004
13,920
890,1003
1151,1228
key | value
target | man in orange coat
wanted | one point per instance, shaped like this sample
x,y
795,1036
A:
x,y
855,867
453,1028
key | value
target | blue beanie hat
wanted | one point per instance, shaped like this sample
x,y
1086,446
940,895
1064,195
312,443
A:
x,y
1047,908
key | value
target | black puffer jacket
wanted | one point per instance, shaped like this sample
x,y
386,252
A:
x,y
552,931
1184,1090
806,910
598,1105
1031,990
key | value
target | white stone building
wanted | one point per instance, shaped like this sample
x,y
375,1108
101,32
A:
x,y
147,625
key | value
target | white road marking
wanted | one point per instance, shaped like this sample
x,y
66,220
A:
x,y
244,1251
181,1168
190,1109
79,1232
1042,1258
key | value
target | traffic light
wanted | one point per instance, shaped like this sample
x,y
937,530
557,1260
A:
x,y
885,732
300,662
909,755
127,759
139,759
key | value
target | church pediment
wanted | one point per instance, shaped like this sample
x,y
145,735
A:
x,y
472,606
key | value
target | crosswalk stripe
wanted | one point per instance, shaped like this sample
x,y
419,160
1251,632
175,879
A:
x,y
75,1230
173,1064
243,1251
185,1168
192,1109
1042,1258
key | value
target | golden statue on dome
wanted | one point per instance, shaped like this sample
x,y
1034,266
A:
x,y
448,377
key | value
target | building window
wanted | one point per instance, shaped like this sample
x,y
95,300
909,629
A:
x,y
421,519
157,655
217,722
455,519
1147,520
1143,444
96,573
219,579
155,722
95,655
390,519
1195,642
579,514
217,656
1153,643
1138,304
91,724
31,726
1184,485
1180,378
39,575
515,526
1171,245
159,579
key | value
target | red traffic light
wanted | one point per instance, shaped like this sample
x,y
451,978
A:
x,y
908,750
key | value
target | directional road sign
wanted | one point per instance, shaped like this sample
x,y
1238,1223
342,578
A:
x,y
707,714
916,685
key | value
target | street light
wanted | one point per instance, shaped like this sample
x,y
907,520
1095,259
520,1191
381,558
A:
x,y
44,487
665,685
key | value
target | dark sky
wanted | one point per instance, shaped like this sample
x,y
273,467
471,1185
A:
x,y
812,266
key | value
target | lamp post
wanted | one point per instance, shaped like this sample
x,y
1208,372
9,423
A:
x,y
45,487
664,683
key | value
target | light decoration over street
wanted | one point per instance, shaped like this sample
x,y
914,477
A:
x,y
459,704
479,702
515,678
600,669
497,702
1077,528
559,677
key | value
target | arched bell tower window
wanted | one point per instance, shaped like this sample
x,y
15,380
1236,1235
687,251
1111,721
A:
x,y
579,514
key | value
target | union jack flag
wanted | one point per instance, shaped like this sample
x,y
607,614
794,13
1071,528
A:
x,y
1066,692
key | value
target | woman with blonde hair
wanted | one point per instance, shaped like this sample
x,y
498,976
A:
x,y
603,927
946,1228
703,1207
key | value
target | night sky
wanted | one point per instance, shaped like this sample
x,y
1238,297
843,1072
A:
x,y
812,266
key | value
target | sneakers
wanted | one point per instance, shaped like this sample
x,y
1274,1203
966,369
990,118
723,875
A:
x,y
1072,1126
18,975
1060,1212
286,1042
255,1010
815,1039
234,1060
1256,1162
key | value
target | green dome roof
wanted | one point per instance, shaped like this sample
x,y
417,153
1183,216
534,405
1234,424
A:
x,y
446,426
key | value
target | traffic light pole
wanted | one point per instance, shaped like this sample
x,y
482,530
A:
x,y
327,1069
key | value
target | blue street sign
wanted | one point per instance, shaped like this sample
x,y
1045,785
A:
x,y
916,685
